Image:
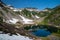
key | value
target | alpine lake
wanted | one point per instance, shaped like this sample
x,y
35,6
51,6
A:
x,y
41,30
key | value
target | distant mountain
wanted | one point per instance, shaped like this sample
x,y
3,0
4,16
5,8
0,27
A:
x,y
11,14
54,17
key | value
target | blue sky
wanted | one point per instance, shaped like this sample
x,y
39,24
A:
x,y
40,4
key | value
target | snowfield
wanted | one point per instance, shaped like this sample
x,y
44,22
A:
x,y
13,37
26,20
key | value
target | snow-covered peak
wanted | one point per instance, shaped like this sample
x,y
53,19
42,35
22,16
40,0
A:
x,y
15,9
11,8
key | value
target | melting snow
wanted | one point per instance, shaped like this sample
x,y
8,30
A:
x,y
15,10
26,21
13,37
13,21
37,16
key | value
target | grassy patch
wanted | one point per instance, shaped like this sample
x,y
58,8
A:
x,y
56,34
45,38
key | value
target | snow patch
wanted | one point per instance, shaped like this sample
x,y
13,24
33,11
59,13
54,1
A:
x,y
37,16
13,21
13,37
26,20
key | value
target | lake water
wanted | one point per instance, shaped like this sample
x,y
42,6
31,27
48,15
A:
x,y
41,33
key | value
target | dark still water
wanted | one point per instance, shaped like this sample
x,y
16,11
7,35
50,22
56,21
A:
x,y
41,33
42,30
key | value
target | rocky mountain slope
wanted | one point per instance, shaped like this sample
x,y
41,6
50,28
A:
x,y
30,15
54,17
13,15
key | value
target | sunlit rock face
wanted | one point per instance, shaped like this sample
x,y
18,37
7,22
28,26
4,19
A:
x,y
13,37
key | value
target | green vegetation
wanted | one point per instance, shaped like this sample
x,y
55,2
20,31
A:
x,y
45,38
56,34
26,13
53,18
1,19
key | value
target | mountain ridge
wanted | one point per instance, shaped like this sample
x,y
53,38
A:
x,y
51,14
